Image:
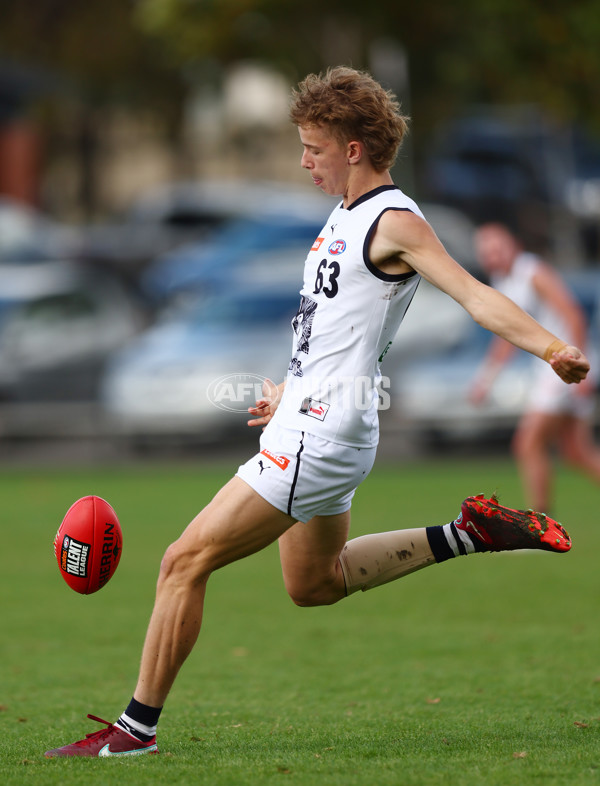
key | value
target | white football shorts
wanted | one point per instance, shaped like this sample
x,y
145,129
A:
x,y
304,475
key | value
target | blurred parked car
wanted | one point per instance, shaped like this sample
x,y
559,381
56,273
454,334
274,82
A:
x,y
502,163
233,249
28,236
33,251
210,265
54,342
161,382
187,212
512,164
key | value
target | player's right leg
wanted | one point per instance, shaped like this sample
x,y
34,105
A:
x,y
237,522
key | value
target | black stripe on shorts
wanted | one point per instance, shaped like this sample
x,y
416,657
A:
x,y
293,488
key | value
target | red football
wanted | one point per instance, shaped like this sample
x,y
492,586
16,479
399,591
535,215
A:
x,y
88,544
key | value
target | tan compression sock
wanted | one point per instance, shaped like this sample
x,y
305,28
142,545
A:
x,y
373,560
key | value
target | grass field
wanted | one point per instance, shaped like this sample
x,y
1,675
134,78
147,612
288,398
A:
x,y
484,670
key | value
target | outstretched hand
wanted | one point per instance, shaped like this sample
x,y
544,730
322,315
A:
x,y
265,407
570,364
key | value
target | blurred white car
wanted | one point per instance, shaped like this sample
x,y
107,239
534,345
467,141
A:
x,y
54,343
196,372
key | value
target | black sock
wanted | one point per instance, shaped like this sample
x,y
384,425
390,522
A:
x,y
140,720
448,541
439,543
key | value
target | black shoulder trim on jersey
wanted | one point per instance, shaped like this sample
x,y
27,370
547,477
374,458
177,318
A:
x,y
373,268
371,194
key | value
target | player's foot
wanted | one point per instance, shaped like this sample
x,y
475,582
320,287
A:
x,y
111,741
498,528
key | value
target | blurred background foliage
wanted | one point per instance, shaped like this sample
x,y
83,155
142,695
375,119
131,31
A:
x,y
149,51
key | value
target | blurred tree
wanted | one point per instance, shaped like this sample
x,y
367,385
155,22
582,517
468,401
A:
x,y
95,56
487,50
95,45
542,51
150,53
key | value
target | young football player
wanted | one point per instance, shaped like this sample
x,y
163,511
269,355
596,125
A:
x,y
320,437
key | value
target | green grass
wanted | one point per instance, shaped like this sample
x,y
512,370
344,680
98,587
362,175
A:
x,y
484,670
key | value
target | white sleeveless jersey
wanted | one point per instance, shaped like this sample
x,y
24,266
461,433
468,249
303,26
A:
x,y
348,316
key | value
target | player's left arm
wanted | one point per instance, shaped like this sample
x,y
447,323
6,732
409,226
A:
x,y
404,241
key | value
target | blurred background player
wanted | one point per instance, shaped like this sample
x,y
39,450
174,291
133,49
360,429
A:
x,y
557,415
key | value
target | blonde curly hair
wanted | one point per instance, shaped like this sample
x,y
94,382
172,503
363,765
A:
x,y
353,106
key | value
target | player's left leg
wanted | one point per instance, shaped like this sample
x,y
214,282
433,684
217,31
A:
x,y
320,568
310,563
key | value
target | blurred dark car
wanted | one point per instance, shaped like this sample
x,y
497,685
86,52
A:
x,y
505,164
583,192
210,265
188,212
232,249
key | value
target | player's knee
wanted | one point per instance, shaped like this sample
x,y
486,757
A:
x,y
307,595
180,566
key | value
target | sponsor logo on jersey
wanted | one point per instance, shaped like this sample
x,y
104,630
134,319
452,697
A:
x,y
337,247
317,244
74,556
313,408
281,461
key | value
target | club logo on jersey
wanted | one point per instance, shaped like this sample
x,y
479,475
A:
x,y
296,367
337,247
281,461
302,322
317,244
313,408
74,556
